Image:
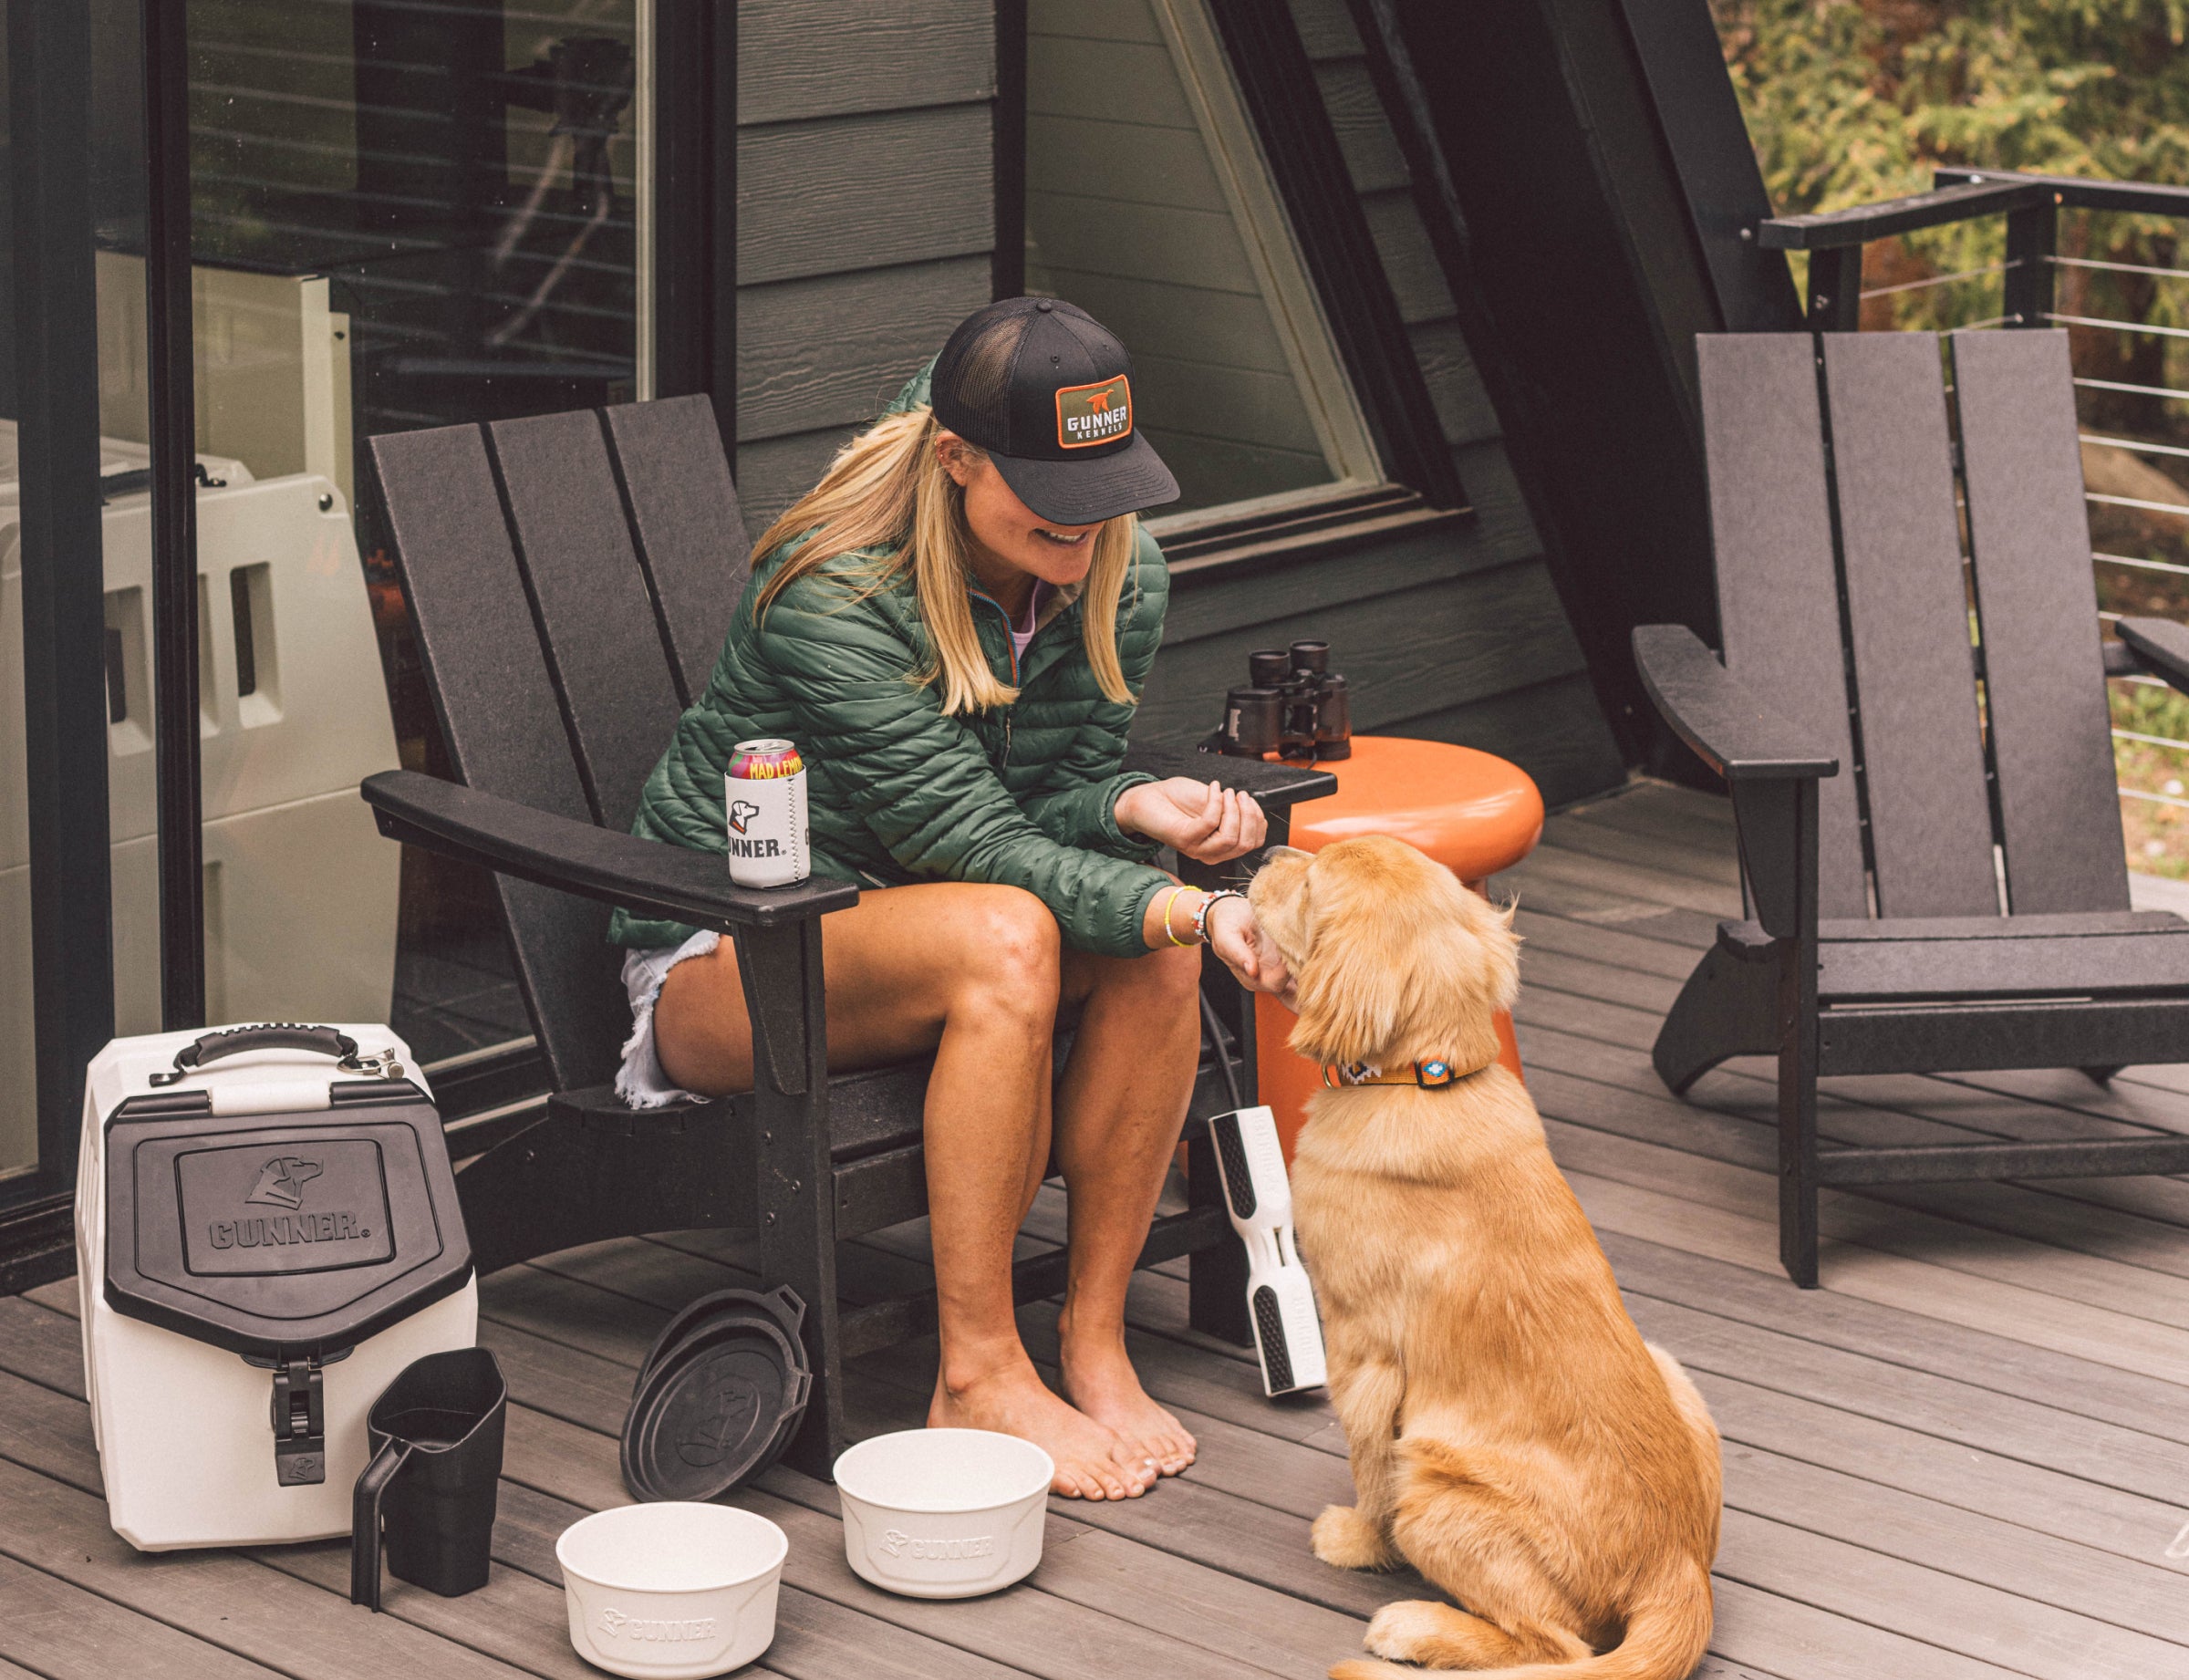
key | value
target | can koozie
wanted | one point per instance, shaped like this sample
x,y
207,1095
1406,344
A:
x,y
763,805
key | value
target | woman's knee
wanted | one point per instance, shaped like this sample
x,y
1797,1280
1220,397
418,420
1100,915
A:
x,y
1013,947
1160,986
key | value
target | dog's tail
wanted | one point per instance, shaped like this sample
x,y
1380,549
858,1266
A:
x,y
1666,1634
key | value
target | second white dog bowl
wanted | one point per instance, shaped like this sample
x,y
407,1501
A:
x,y
944,1513
672,1591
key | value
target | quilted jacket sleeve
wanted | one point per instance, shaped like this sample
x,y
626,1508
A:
x,y
1083,811
921,782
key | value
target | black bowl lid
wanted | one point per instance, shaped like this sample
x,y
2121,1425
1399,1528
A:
x,y
781,1305
717,1409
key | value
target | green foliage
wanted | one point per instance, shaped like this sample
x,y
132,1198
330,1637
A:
x,y
1850,101
2157,833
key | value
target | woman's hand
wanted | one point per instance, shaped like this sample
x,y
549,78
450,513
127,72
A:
x,y
1236,938
1201,820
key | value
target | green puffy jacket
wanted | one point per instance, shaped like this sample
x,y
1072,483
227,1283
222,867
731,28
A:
x,y
1021,795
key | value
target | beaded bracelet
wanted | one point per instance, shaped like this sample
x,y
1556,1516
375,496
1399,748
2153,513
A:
x,y
1200,914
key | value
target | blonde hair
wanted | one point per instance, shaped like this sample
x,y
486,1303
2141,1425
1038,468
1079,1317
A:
x,y
886,490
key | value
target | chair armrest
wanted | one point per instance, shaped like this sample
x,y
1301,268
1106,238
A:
x,y
2160,647
1729,729
1275,787
672,882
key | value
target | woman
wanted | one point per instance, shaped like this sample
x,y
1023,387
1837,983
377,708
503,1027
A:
x,y
954,626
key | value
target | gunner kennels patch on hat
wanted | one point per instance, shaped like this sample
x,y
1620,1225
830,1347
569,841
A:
x,y
1097,413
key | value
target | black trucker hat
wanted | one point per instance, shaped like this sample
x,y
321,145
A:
x,y
1048,393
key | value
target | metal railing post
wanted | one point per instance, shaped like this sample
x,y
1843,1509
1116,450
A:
x,y
2032,236
1835,289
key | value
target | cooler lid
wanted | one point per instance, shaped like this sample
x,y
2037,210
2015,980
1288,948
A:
x,y
281,1234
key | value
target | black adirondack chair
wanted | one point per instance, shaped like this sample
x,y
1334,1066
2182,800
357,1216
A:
x,y
570,580
1930,837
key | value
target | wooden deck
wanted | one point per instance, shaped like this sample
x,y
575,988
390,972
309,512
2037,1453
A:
x,y
1968,1455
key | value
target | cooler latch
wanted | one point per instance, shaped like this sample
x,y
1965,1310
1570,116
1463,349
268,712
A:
x,y
299,1422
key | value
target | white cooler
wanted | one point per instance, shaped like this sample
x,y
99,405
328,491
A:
x,y
266,1233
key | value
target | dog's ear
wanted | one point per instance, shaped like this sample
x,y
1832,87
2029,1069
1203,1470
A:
x,y
1402,961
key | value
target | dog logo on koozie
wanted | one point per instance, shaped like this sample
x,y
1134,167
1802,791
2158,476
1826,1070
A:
x,y
1091,414
741,811
281,1181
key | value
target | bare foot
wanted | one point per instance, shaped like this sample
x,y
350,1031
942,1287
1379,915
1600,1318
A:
x,y
1103,1384
1091,1463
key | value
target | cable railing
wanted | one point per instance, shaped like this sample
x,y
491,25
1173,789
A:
x,y
2131,381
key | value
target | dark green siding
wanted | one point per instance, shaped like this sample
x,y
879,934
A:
x,y
865,216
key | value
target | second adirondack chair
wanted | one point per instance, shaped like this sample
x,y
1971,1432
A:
x,y
1918,750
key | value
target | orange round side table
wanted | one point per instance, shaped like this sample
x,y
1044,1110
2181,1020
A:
x,y
1473,811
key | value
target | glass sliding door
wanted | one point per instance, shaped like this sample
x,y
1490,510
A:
x,y
400,213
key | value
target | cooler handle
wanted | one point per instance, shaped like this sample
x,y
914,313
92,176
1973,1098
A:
x,y
268,1036
365,1521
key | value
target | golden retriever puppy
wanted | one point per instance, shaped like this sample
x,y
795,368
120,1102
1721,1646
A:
x,y
1511,1435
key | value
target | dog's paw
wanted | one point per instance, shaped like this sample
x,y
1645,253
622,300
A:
x,y
1403,1630
1346,1540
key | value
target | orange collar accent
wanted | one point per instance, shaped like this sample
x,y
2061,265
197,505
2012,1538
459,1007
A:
x,y
1425,1075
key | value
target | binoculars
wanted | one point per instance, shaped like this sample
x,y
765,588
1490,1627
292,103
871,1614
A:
x,y
1294,705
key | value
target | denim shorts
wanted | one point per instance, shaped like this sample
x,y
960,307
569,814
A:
x,y
640,1082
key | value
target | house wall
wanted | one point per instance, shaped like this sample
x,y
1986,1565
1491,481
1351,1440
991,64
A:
x,y
865,216
864,231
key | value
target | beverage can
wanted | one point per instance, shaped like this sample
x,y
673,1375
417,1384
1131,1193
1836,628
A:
x,y
763,805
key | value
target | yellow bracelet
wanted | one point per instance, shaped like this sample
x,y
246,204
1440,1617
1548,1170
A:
x,y
1168,905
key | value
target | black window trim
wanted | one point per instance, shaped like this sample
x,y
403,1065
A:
x,y
64,602
1238,540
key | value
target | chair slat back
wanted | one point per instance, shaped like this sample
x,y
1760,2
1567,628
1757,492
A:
x,y
2037,600
1777,601
1908,626
683,510
596,615
502,720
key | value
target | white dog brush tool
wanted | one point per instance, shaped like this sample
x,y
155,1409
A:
x,y
1258,1197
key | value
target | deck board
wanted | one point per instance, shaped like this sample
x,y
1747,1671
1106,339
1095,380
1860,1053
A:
x,y
1960,1460
74,1634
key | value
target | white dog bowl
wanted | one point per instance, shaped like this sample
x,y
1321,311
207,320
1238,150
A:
x,y
672,1591
944,1513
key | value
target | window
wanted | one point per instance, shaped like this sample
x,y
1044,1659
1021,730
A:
x,y
1149,204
